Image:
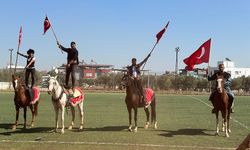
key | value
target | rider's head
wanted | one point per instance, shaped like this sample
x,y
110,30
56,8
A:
x,y
73,45
221,67
133,61
31,52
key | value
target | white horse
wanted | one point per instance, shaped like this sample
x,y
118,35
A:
x,y
59,100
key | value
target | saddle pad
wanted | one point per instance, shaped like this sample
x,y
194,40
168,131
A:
x,y
148,93
78,98
36,93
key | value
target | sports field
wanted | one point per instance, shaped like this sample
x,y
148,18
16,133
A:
x,y
184,122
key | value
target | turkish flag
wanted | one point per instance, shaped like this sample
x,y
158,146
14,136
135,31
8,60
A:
x,y
46,24
159,35
199,56
20,37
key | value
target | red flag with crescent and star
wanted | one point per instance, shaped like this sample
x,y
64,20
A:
x,y
159,35
20,37
199,56
46,24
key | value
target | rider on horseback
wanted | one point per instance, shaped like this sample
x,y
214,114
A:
x,y
72,63
227,85
134,72
29,69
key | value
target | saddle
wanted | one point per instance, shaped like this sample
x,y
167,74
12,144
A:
x,y
34,94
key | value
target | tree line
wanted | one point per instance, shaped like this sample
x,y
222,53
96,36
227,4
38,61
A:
x,y
157,82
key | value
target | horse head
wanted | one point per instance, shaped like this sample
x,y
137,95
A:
x,y
127,81
16,82
53,84
220,83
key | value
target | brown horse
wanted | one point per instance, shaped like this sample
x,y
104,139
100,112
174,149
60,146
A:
x,y
22,100
221,103
132,102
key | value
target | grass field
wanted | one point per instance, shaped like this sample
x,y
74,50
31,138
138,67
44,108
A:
x,y
184,122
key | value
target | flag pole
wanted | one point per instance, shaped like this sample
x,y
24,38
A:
x,y
18,46
54,33
16,60
150,53
208,67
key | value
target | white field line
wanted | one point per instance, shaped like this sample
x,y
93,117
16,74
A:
x,y
118,144
241,124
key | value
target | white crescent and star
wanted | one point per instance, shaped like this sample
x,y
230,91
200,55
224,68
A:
x,y
202,53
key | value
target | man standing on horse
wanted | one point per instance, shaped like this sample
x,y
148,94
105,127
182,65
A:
x,y
134,71
227,85
72,63
29,69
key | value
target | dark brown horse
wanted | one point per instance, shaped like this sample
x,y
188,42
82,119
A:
x,y
22,100
132,102
221,103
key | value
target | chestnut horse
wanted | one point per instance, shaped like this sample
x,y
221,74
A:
x,y
132,102
221,103
59,100
22,100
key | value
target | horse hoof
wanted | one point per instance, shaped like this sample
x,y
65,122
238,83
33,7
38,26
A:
x,y
155,126
216,134
146,126
130,129
14,127
229,131
135,130
81,127
62,131
227,135
70,127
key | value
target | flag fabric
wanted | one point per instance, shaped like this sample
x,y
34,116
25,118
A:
x,y
199,56
159,35
20,37
46,24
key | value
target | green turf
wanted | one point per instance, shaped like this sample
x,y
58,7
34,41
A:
x,y
183,123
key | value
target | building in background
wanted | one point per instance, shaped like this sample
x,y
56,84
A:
x,y
88,71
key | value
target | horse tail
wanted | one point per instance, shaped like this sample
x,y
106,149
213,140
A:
x,y
153,109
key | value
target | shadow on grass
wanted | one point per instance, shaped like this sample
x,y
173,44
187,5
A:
x,y
106,128
20,129
190,132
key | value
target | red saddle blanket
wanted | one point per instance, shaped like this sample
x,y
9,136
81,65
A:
x,y
79,98
149,94
36,96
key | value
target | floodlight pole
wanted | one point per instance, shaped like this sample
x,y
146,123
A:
x,y
177,49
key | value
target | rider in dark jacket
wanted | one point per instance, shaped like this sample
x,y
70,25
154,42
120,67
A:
x,y
134,71
227,84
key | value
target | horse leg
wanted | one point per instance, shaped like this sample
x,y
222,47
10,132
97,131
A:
x,y
153,112
217,123
130,118
62,118
228,119
135,119
73,117
226,122
24,116
56,115
17,116
80,106
32,108
147,115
